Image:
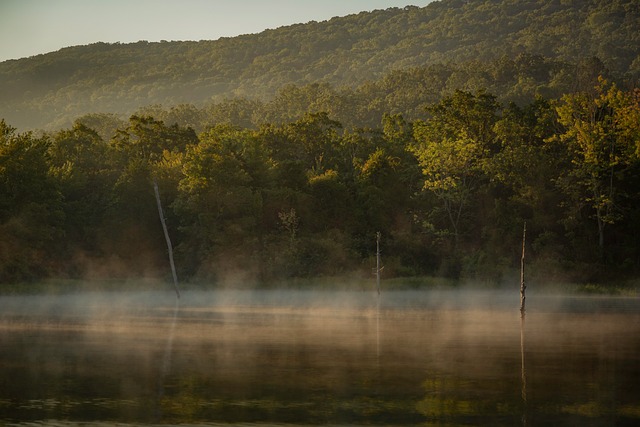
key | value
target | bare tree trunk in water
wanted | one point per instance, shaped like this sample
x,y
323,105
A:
x,y
166,236
523,374
378,262
523,286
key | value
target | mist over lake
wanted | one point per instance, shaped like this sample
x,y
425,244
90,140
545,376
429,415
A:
x,y
273,357
466,153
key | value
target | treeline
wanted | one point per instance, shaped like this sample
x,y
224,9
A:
x,y
407,92
446,46
449,191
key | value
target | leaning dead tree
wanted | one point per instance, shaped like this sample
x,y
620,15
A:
x,y
166,236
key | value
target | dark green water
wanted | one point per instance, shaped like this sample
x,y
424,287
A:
x,y
318,358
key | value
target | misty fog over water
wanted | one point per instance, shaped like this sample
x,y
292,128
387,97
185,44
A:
x,y
290,357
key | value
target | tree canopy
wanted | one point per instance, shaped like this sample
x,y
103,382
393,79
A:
x,y
282,154
397,59
449,192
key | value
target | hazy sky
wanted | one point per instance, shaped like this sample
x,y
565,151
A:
x,y
31,27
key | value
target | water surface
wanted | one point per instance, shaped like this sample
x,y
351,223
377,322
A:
x,y
318,358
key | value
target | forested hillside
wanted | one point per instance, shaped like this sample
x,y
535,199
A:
x,y
282,154
449,193
514,48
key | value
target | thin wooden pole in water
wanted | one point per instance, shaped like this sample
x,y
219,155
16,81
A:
x,y
166,237
523,373
378,268
378,262
523,286
378,331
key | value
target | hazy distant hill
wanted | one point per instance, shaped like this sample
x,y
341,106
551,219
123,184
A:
x,y
50,90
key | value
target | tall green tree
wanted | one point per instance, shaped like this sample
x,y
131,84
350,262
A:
x,y
140,153
600,135
31,212
79,160
221,199
521,186
451,147
387,177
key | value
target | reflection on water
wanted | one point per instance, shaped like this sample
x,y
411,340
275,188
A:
x,y
523,368
318,358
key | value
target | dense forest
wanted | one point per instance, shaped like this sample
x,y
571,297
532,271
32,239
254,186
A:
x,y
394,60
449,192
282,154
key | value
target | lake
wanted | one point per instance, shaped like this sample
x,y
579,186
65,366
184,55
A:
x,y
304,358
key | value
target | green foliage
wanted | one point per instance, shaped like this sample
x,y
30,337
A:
x,y
305,198
225,179
78,160
31,206
452,147
514,49
600,136
282,154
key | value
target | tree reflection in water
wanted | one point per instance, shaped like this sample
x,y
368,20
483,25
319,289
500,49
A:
x,y
408,358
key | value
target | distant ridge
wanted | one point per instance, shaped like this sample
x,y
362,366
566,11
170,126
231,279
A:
x,y
50,90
